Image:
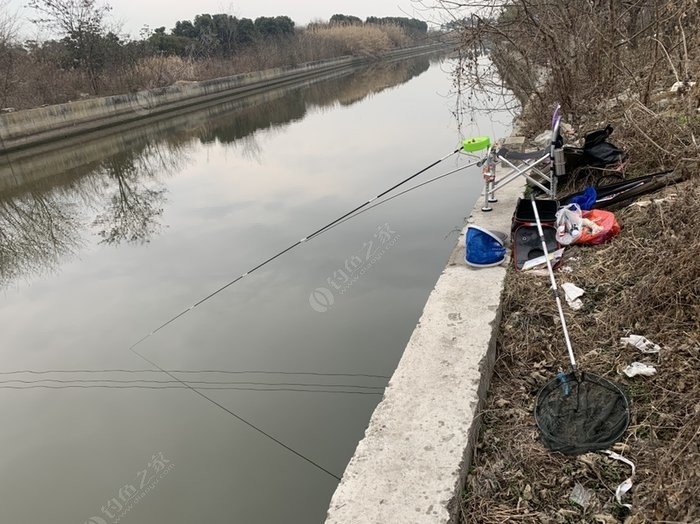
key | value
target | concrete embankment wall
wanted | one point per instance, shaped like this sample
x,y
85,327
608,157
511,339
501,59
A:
x,y
79,154
35,126
411,465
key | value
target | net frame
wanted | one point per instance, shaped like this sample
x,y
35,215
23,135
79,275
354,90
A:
x,y
558,438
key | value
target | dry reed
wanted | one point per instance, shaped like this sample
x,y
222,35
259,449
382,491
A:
x,y
35,80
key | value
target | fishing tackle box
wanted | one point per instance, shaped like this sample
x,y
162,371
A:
x,y
525,238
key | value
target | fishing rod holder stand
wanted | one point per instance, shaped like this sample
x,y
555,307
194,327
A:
x,y
540,168
537,168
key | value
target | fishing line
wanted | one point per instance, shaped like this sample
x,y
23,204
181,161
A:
x,y
237,416
207,382
191,371
174,386
177,383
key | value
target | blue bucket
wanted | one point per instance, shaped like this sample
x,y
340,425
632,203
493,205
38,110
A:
x,y
483,248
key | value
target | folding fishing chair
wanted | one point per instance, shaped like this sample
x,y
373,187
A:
x,y
541,168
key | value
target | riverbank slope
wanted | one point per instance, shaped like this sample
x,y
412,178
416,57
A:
x,y
645,281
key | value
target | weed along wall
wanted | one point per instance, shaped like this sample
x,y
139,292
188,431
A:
x,y
35,126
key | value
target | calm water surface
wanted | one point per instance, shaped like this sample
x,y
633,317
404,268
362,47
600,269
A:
x,y
102,242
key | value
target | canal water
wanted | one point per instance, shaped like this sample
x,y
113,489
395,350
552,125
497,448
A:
x,y
104,239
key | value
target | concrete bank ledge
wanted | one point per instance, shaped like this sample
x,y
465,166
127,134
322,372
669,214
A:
x,y
44,124
410,466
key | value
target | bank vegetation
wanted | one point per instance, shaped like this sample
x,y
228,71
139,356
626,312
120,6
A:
x,y
634,64
90,57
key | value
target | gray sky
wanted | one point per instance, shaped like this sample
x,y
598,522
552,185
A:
x,y
134,14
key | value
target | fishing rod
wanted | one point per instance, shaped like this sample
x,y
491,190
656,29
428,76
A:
x,y
417,186
468,145
319,231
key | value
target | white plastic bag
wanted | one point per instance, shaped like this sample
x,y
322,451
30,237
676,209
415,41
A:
x,y
569,221
643,344
626,485
639,368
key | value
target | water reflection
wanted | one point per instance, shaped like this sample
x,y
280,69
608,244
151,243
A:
x,y
134,198
37,230
55,199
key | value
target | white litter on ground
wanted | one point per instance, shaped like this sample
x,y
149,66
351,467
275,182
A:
x,y
573,295
581,496
639,368
643,344
681,86
626,485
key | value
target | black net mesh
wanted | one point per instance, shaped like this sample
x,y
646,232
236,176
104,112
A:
x,y
578,414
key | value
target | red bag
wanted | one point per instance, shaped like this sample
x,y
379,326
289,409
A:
x,y
604,227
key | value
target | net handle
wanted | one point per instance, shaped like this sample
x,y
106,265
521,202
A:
x,y
555,289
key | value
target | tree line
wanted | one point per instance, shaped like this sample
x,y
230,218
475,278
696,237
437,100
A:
x,y
223,34
218,34
88,44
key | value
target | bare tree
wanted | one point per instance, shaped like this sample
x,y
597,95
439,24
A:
x,y
8,36
576,52
8,23
71,16
82,23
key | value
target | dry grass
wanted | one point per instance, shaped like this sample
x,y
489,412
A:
x,y
646,281
32,83
357,39
157,71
